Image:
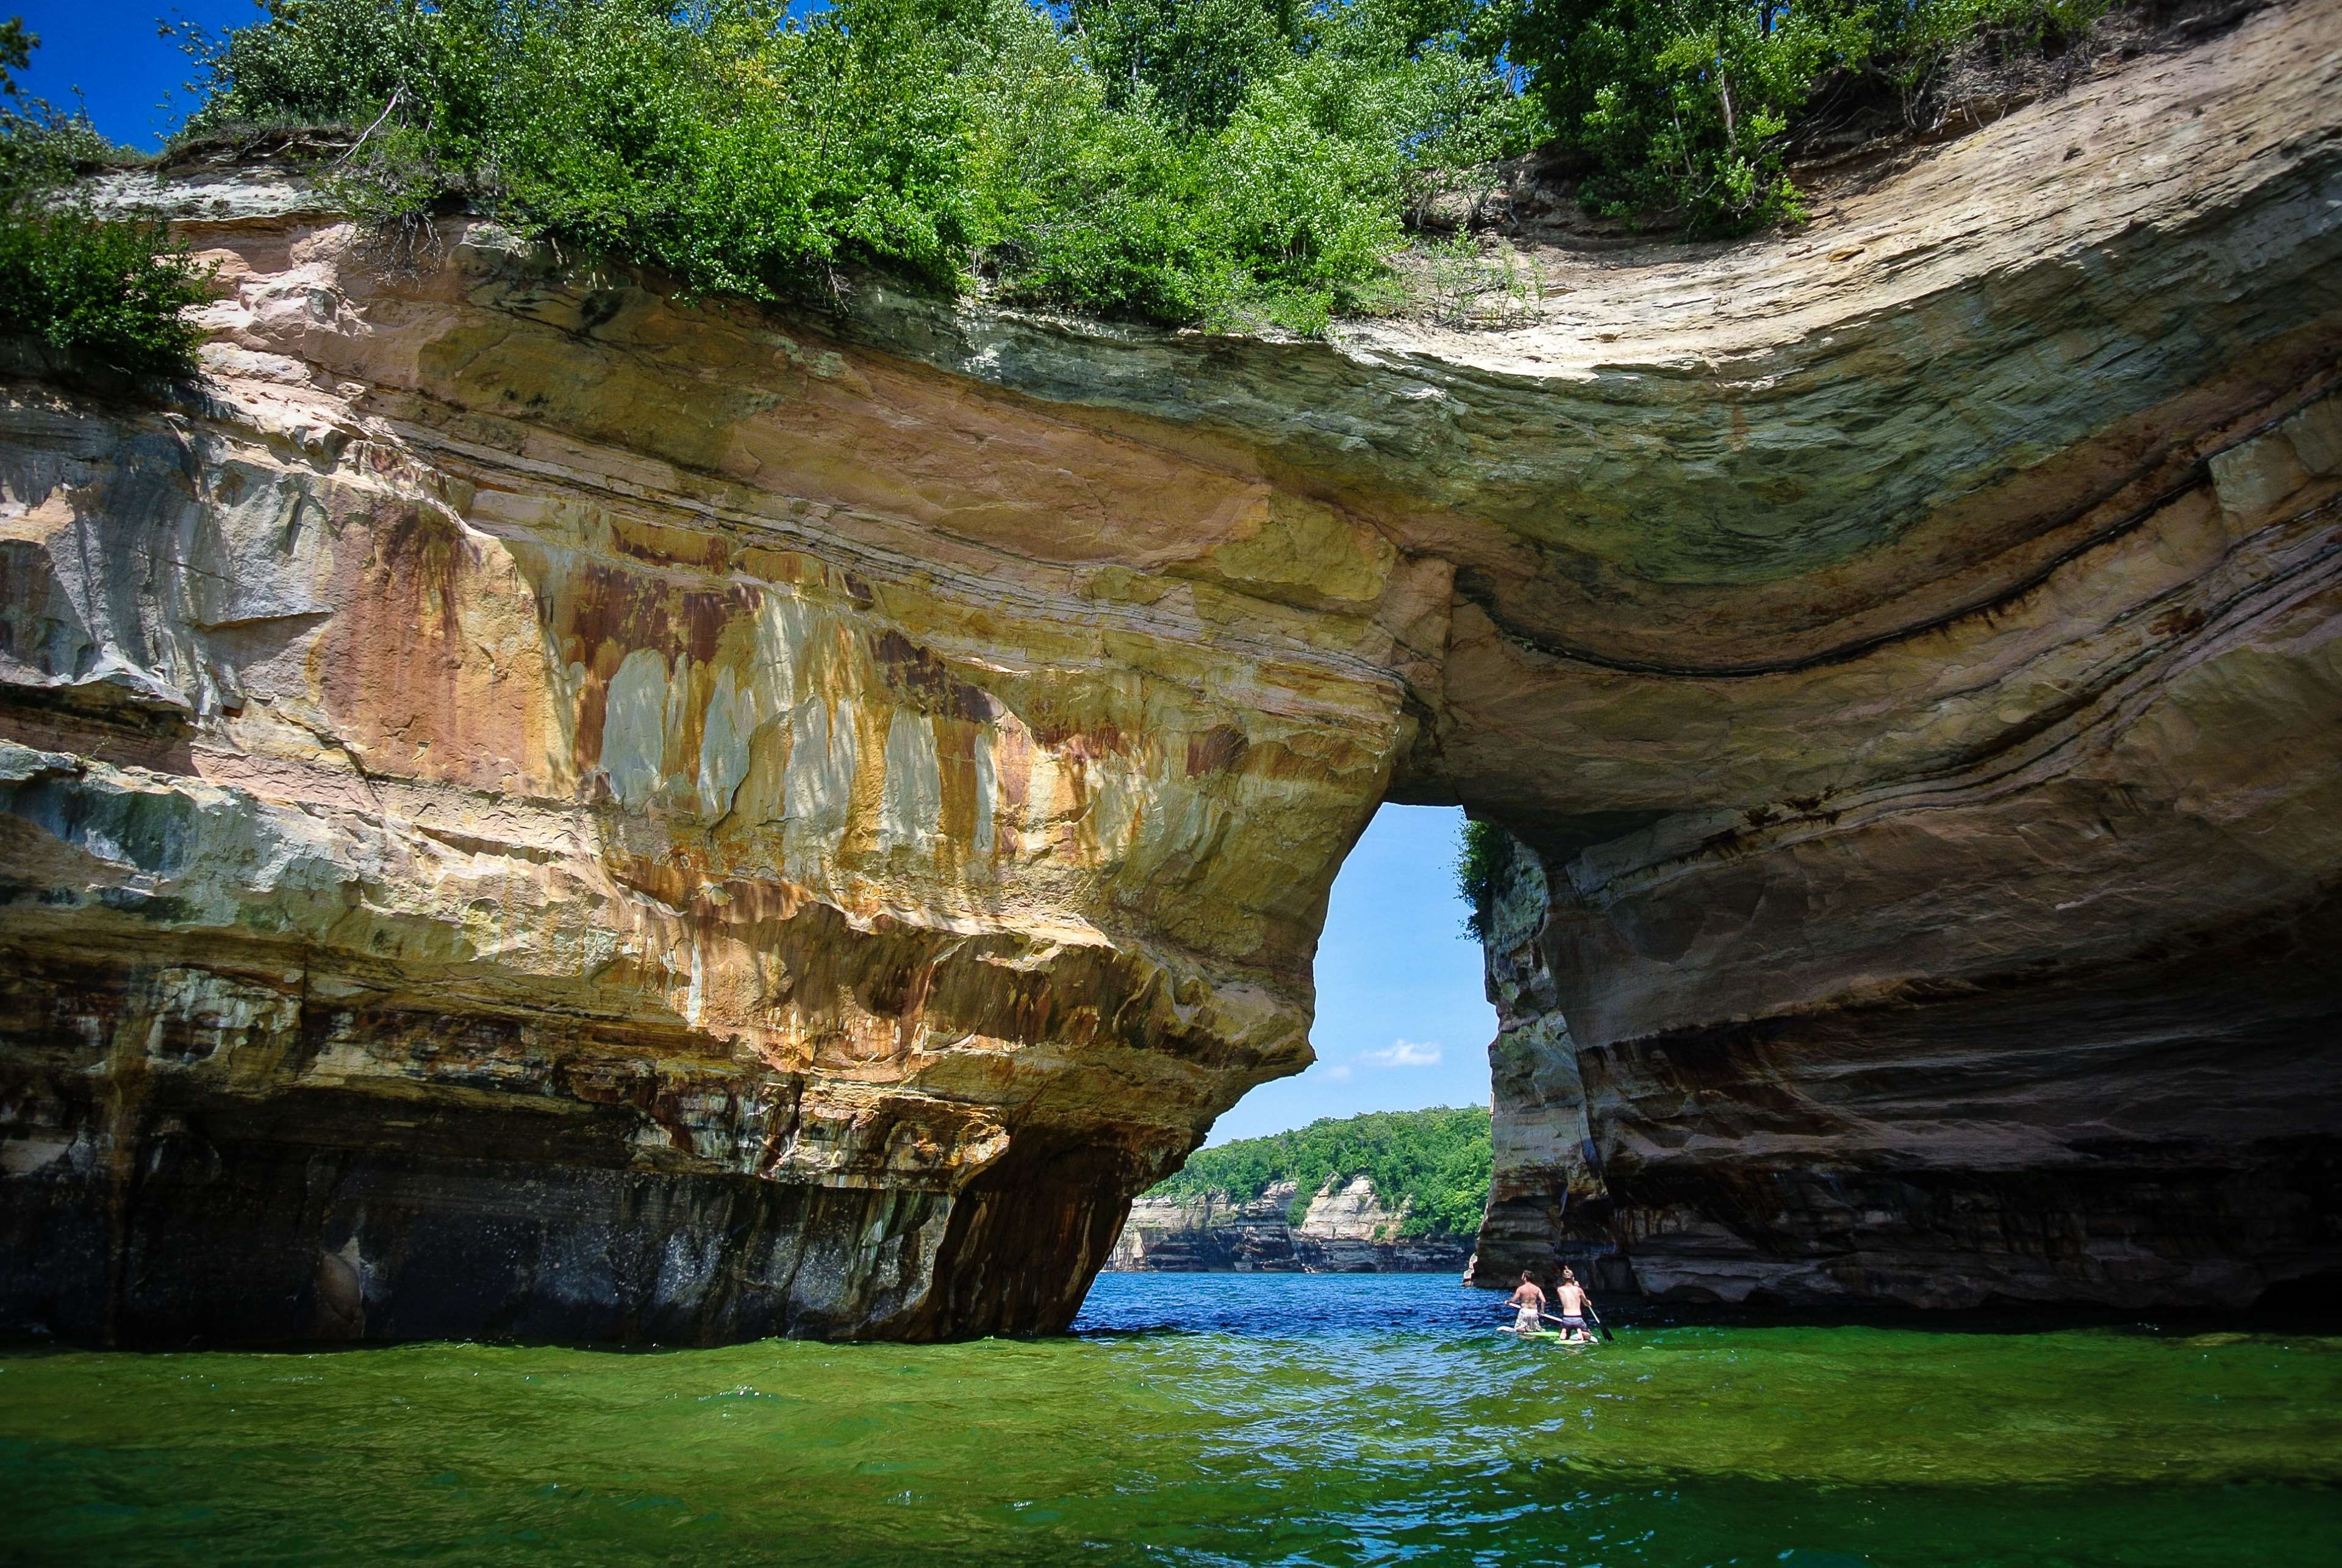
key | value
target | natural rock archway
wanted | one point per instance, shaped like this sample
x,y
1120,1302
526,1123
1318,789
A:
x,y
533,808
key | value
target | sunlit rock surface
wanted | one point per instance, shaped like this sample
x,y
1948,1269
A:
x,y
535,809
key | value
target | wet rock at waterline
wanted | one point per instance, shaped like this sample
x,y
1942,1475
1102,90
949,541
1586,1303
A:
x,y
532,808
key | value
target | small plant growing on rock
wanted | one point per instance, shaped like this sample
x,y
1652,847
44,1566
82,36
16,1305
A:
x,y
1481,858
1468,282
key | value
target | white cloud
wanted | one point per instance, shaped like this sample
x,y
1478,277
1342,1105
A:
x,y
1406,1054
1339,1074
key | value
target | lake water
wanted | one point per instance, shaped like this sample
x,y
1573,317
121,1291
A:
x,y
1199,1419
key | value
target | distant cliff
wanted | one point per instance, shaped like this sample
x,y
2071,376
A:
x,y
1388,1190
1347,1229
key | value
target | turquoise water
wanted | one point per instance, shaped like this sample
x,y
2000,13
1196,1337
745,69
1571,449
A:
x,y
1204,1420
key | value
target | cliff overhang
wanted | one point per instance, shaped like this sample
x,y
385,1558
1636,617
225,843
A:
x,y
535,808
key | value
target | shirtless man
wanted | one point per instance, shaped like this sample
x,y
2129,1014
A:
x,y
1528,1297
1571,1297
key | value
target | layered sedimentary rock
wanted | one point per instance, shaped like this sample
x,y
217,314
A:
x,y
535,808
1345,1228
2014,978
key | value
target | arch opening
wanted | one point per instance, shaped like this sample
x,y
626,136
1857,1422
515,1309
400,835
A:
x,y
1377,1156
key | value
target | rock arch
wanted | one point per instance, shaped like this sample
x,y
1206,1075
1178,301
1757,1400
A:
x,y
535,809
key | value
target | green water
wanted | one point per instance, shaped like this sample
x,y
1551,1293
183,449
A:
x,y
1371,1422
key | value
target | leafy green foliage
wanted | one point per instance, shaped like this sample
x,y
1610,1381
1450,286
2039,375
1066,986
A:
x,y
1684,104
1222,162
1481,857
1190,60
1919,42
1179,160
311,62
42,150
16,48
1436,1163
99,291
93,292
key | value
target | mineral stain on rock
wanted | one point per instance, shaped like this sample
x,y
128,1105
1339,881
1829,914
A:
x,y
714,827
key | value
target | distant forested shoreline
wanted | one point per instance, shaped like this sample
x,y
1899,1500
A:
x,y
1434,1163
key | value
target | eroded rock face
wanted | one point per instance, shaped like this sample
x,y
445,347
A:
x,y
1547,1206
535,809
2013,979
502,838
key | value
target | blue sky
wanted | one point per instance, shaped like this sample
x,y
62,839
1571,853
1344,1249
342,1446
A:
x,y
108,48
1401,1019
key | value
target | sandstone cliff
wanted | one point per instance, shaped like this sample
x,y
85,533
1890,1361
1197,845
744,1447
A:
x,y
1345,1229
533,807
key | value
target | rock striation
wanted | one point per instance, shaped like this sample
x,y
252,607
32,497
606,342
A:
x,y
1345,1229
528,806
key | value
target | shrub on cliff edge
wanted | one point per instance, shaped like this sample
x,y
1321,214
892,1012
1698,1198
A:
x,y
93,292
961,143
1685,106
98,292
1481,856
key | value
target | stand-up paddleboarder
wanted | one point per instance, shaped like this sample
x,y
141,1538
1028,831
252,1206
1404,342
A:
x,y
1570,1297
1528,1304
